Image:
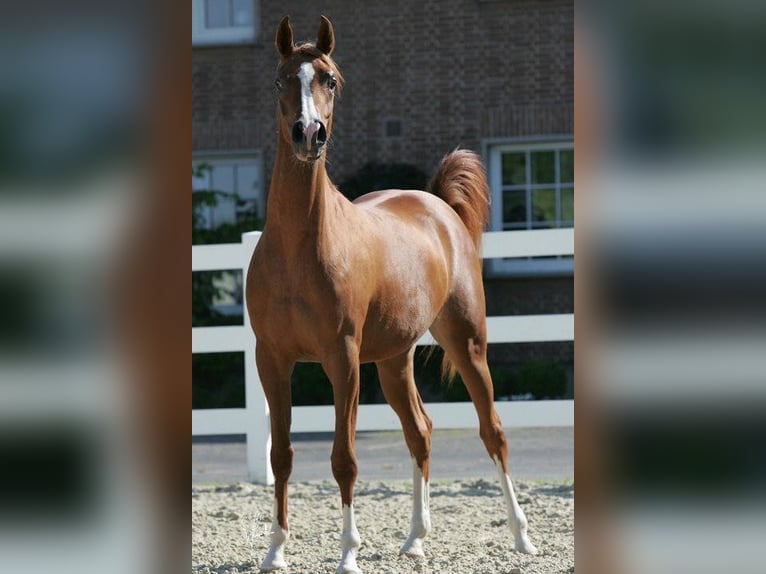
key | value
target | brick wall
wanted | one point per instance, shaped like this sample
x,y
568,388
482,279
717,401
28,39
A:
x,y
454,71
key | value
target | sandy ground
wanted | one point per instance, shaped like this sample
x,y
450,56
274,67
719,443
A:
x,y
469,533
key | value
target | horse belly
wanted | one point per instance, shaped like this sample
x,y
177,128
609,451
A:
x,y
389,332
413,285
379,344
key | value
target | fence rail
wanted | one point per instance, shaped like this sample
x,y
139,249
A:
x,y
253,419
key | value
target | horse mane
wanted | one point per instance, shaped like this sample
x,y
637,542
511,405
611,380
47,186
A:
x,y
309,49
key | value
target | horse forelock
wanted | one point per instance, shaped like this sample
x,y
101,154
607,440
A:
x,y
309,49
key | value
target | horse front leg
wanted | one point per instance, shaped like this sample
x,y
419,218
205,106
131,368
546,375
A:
x,y
343,371
274,372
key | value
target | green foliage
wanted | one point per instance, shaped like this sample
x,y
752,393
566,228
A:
x,y
504,382
376,176
218,380
310,385
204,291
541,378
227,232
204,288
430,383
454,391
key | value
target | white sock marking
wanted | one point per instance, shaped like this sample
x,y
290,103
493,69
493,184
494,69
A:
x,y
517,521
420,525
350,542
275,557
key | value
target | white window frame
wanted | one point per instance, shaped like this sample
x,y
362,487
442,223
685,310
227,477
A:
x,y
203,36
528,266
234,157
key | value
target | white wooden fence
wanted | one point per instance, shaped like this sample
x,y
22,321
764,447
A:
x,y
253,419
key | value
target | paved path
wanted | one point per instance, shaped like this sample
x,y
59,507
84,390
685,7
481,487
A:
x,y
534,453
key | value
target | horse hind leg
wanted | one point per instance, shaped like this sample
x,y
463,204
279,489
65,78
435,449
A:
x,y
464,341
397,381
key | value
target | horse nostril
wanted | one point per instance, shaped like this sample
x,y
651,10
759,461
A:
x,y
297,133
321,134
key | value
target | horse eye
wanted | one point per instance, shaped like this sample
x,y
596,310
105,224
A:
x,y
331,82
278,83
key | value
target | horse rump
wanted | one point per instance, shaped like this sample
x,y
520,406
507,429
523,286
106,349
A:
x,y
461,181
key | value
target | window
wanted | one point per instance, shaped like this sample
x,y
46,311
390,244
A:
x,y
532,188
223,21
393,128
241,174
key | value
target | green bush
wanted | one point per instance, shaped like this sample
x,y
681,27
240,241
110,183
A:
x,y
218,380
204,289
226,232
376,176
541,378
310,385
503,380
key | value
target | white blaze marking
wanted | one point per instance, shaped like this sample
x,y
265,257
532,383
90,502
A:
x,y
308,110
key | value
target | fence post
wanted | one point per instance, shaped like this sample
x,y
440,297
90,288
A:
x,y
257,409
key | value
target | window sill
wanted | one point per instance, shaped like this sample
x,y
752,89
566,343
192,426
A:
x,y
223,38
525,268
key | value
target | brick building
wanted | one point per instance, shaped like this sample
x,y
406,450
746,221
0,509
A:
x,y
422,77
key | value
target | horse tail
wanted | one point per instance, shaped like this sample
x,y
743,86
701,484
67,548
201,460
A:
x,y
460,180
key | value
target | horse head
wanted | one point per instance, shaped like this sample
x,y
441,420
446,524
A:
x,y
307,83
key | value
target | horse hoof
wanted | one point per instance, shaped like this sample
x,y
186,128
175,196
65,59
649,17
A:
x,y
348,564
274,560
273,566
413,548
348,568
524,545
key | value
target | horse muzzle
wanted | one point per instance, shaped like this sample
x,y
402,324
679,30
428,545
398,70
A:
x,y
309,141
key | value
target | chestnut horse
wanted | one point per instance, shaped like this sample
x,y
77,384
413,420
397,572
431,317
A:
x,y
344,283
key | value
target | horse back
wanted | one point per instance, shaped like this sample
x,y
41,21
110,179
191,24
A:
x,y
423,254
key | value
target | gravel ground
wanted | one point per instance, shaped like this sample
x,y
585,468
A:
x,y
231,522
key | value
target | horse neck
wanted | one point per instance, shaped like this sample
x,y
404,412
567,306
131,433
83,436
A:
x,y
300,197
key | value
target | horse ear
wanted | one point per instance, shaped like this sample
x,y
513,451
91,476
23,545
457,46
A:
x,y
284,38
326,36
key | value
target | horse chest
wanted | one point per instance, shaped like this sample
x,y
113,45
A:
x,y
290,301
297,310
